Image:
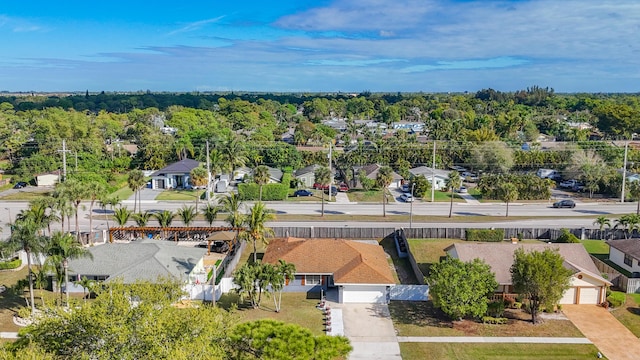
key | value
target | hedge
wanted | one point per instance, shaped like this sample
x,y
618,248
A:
x,y
13,264
494,320
616,299
270,192
489,235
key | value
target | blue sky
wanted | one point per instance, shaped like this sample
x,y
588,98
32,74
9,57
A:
x,y
321,45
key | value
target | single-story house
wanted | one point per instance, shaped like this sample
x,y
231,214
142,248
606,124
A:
x,y
140,260
48,179
306,175
358,270
587,285
371,172
174,176
275,175
441,176
626,254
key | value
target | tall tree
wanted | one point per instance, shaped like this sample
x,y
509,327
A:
x,y
461,289
136,181
286,272
256,226
74,191
62,248
508,194
383,180
452,183
232,205
540,277
322,176
24,236
261,177
634,192
95,190
109,201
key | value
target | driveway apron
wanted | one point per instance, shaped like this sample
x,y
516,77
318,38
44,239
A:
x,y
371,332
614,340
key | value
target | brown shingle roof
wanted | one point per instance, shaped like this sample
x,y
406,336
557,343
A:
x,y
630,247
500,257
350,262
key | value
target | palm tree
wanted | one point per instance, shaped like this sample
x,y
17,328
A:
x,y
256,228
628,223
261,177
87,285
64,247
233,153
602,221
210,213
142,219
232,205
383,180
188,215
74,191
95,190
199,177
287,272
508,193
164,219
135,181
62,206
110,201
24,236
40,281
322,176
453,182
122,215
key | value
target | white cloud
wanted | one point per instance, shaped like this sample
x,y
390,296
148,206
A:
x,y
196,25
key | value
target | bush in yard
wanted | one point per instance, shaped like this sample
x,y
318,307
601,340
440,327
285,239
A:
x,y
496,308
494,320
616,299
567,237
461,289
488,235
13,264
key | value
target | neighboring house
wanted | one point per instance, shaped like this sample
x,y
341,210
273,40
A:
x,y
174,176
587,286
306,176
357,270
140,260
275,175
371,172
48,179
626,254
441,176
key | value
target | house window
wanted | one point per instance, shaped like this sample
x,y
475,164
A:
x,y
312,279
628,260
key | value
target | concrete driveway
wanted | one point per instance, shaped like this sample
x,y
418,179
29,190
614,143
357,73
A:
x,y
370,330
596,323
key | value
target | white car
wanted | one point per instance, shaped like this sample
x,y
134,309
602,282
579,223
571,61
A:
x,y
406,197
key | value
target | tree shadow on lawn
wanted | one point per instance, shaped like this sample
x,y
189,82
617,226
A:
x,y
418,313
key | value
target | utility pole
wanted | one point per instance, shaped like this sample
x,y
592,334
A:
x,y
64,159
433,172
624,170
330,171
208,176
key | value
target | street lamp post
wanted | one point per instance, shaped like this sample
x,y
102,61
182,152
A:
x,y
411,206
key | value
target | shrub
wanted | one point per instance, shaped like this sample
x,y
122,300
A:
x,y
494,320
517,305
567,237
616,299
12,264
495,309
489,235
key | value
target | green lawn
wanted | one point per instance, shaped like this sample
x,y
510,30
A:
x,y
26,195
444,351
186,195
629,314
429,251
359,195
597,248
123,193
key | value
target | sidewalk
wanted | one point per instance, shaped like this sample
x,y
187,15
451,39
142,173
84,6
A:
x,y
489,339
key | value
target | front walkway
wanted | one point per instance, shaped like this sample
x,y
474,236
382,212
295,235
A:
x,y
605,331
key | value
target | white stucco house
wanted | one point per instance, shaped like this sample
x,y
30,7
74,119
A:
x,y
356,271
587,285
371,171
626,254
48,179
437,177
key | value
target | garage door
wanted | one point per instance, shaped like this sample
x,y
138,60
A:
x,y
589,295
569,296
363,295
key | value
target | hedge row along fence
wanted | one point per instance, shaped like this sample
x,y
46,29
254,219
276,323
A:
x,y
487,235
270,192
13,264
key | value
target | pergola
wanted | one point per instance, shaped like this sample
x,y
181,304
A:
x,y
175,233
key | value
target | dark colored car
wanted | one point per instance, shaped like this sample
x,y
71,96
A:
x,y
334,191
220,247
302,192
20,185
564,204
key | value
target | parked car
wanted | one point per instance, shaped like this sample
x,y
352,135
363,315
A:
x,y
564,204
20,185
569,184
469,176
343,187
334,191
405,188
302,192
319,186
406,197
462,190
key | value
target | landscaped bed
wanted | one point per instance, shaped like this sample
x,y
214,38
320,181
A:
x,y
421,319
463,351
